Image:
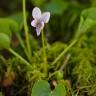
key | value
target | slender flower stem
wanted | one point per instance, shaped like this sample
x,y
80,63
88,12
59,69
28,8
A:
x,y
64,51
44,54
18,56
26,30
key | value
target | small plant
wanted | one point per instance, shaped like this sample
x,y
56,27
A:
x,y
42,88
59,59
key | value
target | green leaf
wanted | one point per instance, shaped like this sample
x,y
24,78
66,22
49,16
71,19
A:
x,y
41,88
4,41
59,90
18,17
87,21
8,26
57,6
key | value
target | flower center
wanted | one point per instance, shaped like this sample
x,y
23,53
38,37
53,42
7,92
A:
x,y
39,24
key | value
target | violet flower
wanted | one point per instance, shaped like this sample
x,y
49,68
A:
x,y
39,19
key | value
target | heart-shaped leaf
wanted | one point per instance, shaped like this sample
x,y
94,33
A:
x,y
87,21
41,88
8,26
18,17
59,90
4,41
57,6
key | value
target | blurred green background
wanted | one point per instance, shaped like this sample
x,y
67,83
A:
x,y
80,73
65,15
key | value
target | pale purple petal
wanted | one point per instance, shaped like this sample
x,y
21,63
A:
x,y
38,31
34,23
39,28
45,17
36,13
